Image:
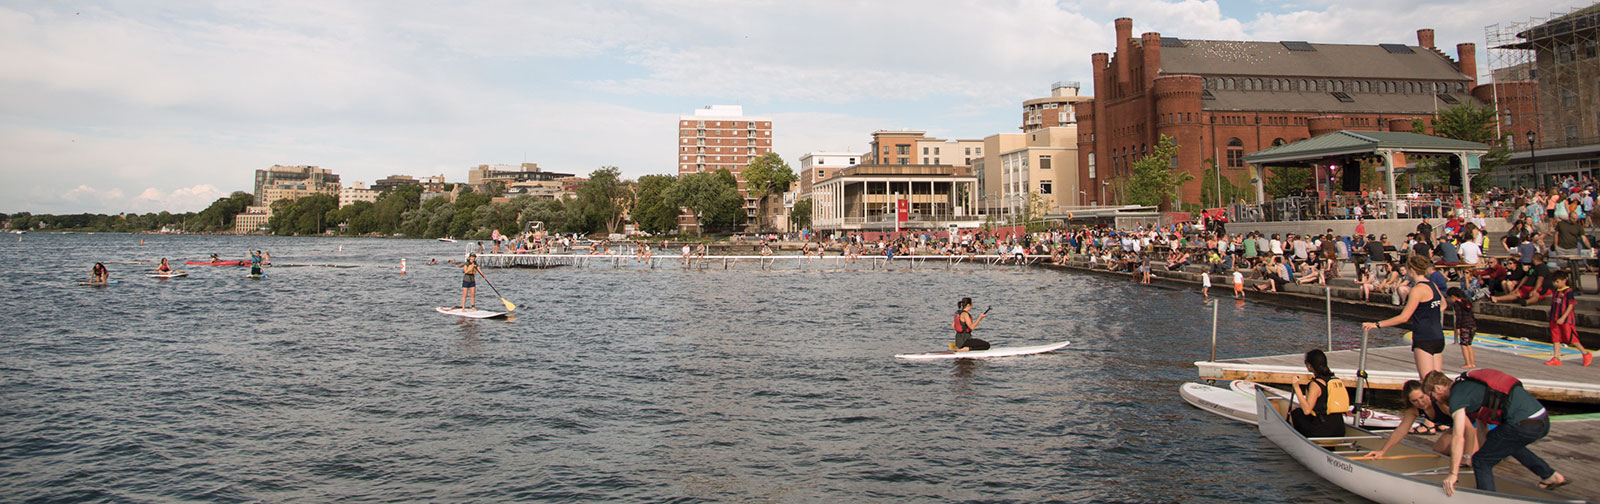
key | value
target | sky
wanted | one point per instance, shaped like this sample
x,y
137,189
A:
x,y
144,106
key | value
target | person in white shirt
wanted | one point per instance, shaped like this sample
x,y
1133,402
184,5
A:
x,y
1470,252
1277,245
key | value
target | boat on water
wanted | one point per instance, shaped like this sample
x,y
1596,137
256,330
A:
x,y
1407,473
446,240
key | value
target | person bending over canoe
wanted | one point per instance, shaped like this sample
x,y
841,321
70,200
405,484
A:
x,y
1492,397
964,324
163,268
469,283
1422,406
98,274
1312,418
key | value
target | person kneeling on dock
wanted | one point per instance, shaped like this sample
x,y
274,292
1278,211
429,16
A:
x,y
1492,397
963,325
1321,407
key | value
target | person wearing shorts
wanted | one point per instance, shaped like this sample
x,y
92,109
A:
x,y
1425,310
1563,322
1466,324
469,283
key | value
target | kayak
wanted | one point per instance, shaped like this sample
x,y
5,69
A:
x,y
470,313
986,354
174,274
217,263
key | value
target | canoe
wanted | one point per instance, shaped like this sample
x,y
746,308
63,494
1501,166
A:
x,y
1223,402
217,263
986,354
1370,419
1406,474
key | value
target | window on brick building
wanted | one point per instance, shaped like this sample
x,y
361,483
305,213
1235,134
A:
x,y
903,150
1235,153
1091,165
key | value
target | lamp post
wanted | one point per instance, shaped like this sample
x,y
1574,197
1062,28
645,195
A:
x,y
1533,159
1103,185
1083,197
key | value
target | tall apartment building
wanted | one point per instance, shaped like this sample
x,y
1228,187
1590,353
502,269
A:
x,y
284,182
722,137
357,191
1221,99
1054,110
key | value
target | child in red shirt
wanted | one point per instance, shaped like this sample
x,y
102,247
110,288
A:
x,y
1563,322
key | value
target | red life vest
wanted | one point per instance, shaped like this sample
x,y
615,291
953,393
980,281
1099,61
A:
x,y
957,325
1496,394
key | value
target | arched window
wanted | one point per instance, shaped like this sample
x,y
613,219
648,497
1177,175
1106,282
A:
x,y
1361,86
1228,84
1235,153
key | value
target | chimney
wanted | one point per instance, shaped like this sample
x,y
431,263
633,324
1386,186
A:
x,y
1124,50
1467,54
1425,38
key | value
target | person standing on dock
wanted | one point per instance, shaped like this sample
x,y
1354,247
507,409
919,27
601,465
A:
x,y
1492,397
1563,322
1425,310
1466,324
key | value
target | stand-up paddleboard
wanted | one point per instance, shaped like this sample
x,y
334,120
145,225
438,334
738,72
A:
x,y
1369,419
1223,402
986,354
175,274
98,284
257,277
1520,346
470,313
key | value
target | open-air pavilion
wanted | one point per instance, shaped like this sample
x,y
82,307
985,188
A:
x,y
1327,153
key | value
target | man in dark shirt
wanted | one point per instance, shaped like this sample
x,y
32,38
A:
x,y
1533,286
1528,248
1375,252
1569,236
1522,421
1425,231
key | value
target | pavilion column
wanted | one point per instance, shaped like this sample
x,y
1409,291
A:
x,y
1388,168
1466,183
1260,183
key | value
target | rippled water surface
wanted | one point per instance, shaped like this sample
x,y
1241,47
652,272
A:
x,y
325,384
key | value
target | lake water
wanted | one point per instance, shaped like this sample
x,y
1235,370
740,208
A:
x,y
324,384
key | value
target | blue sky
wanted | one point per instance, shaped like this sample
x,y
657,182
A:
x,y
144,106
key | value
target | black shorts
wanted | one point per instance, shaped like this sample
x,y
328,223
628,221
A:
x,y
469,283
1464,336
1434,347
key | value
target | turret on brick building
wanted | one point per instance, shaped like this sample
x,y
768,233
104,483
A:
x,y
1221,99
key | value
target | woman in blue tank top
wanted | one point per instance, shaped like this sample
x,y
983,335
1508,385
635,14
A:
x,y
1425,311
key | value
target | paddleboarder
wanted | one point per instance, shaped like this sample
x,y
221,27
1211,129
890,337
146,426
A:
x,y
163,268
98,274
255,263
964,324
469,283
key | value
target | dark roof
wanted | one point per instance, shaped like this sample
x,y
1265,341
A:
x,y
1273,59
1295,101
1357,142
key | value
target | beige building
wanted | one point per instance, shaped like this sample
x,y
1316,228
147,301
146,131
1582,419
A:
x,y
252,220
987,169
357,191
285,182
1054,110
818,165
863,198
1047,164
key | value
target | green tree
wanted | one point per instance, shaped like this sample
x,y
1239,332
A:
x,y
606,198
219,215
766,176
1472,123
1284,181
306,215
653,211
711,197
1232,192
391,207
1154,182
800,215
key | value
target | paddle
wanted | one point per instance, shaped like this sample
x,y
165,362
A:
x,y
509,307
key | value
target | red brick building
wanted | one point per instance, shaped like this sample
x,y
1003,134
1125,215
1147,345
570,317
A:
x,y
721,137
1223,99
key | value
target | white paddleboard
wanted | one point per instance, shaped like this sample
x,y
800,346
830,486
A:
x,y
1226,403
1370,419
462,312
98,284
985,354
174,274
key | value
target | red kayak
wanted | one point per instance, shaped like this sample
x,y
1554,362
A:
x,y
217,263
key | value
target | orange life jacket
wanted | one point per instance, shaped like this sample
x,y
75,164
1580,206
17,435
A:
x,y
958,325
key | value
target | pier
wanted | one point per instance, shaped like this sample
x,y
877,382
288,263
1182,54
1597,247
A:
x,y
772,262
1388,368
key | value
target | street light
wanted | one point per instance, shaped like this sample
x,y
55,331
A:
x,y
1533,158
1103,185
1083,197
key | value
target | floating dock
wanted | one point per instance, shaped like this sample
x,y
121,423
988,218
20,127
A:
x,y
1388,368
726,262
